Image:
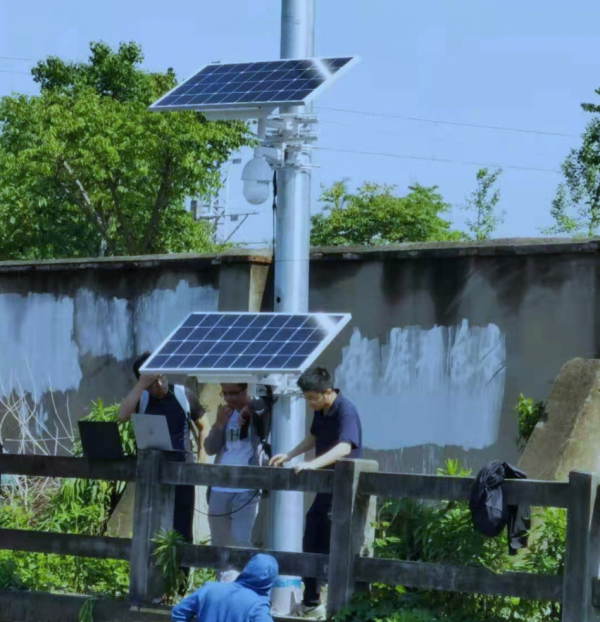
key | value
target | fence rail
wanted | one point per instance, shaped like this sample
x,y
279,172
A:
x,y
355,485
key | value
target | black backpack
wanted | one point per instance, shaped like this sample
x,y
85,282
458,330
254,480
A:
x,y
489,510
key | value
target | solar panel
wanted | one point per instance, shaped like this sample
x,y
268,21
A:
x,y
253,85
245,343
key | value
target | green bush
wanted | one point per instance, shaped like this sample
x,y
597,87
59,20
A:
x,y
75,506
529,413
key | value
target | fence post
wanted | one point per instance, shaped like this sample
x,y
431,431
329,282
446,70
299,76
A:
x,y
153,510
349,520
581,556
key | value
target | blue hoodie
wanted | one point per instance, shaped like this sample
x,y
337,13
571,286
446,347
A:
x,y
247,599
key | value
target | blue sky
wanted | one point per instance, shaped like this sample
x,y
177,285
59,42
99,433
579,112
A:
x,y
525,65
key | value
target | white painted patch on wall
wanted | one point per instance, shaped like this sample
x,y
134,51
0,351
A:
x,y
158,313
37,351
102,325
42,337
442,386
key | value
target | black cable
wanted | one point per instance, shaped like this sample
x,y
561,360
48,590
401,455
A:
x,y
274,213
229,513
457,123
441,160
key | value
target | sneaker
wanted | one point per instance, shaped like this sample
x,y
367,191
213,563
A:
x,y
318,612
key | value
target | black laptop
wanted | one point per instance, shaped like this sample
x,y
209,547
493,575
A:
x,y
100,440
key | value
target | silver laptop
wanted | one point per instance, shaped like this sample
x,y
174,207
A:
x,y
151,432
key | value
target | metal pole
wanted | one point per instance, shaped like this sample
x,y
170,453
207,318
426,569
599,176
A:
x,y
291,295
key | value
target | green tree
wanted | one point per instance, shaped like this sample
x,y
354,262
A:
x,y
375,215
482,203
87,170
576,206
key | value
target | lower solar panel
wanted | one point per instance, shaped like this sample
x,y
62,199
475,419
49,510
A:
x,y
246,342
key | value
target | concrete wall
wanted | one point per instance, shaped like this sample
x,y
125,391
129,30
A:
x,y
443,338
70,330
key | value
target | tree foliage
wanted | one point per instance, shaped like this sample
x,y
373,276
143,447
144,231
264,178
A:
x,y
576,206
482,204
376,215
86,169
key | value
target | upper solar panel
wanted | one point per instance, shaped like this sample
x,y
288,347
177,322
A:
x,y
245,343
254,85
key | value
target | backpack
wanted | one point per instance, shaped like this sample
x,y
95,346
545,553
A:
x,y
490,512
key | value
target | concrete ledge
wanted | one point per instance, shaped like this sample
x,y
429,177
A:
x,y
509,246
192,260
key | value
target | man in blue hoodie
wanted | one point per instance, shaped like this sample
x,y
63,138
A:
x,y
247,599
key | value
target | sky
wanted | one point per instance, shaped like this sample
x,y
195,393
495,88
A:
x,y
426,68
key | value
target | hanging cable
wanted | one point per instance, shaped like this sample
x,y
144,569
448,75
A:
x,y
456,123
443,160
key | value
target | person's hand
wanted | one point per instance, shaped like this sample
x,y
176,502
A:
x,y
223,415
302,466
146,380
245,415
278,460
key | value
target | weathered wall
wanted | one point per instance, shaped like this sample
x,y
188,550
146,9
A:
x,y
443,338
69,331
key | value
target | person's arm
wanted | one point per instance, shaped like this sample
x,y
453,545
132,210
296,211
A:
x,y
216,437
188,608
129,404
306,445
262,613
335,454
199,432
199,425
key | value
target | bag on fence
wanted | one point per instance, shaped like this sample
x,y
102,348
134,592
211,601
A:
x,y
489,510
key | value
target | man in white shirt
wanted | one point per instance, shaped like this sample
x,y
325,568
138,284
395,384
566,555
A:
x,y
237,438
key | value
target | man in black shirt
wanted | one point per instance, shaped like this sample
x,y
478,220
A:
x,y
335,434
153,395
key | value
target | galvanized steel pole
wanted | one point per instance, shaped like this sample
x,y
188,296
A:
x,y
291,290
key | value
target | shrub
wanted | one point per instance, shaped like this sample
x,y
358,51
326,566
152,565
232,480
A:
x,y
529,413
442,532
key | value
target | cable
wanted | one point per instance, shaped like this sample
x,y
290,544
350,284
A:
x,y
445,161
25,60
274,215
25,73
370,129
229,513
456,123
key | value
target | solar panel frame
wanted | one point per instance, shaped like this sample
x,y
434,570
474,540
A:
x,y
228,372
246,108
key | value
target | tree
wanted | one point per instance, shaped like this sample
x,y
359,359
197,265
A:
x,y
86,169
576,206
482,202
375,215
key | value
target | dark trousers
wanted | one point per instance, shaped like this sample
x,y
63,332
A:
x,y
183,516
317,534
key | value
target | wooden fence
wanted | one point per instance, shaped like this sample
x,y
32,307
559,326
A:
x,y
355,485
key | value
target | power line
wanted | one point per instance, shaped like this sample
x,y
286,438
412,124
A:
x,y
443,160
25,60
370,129
455,123
24,73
